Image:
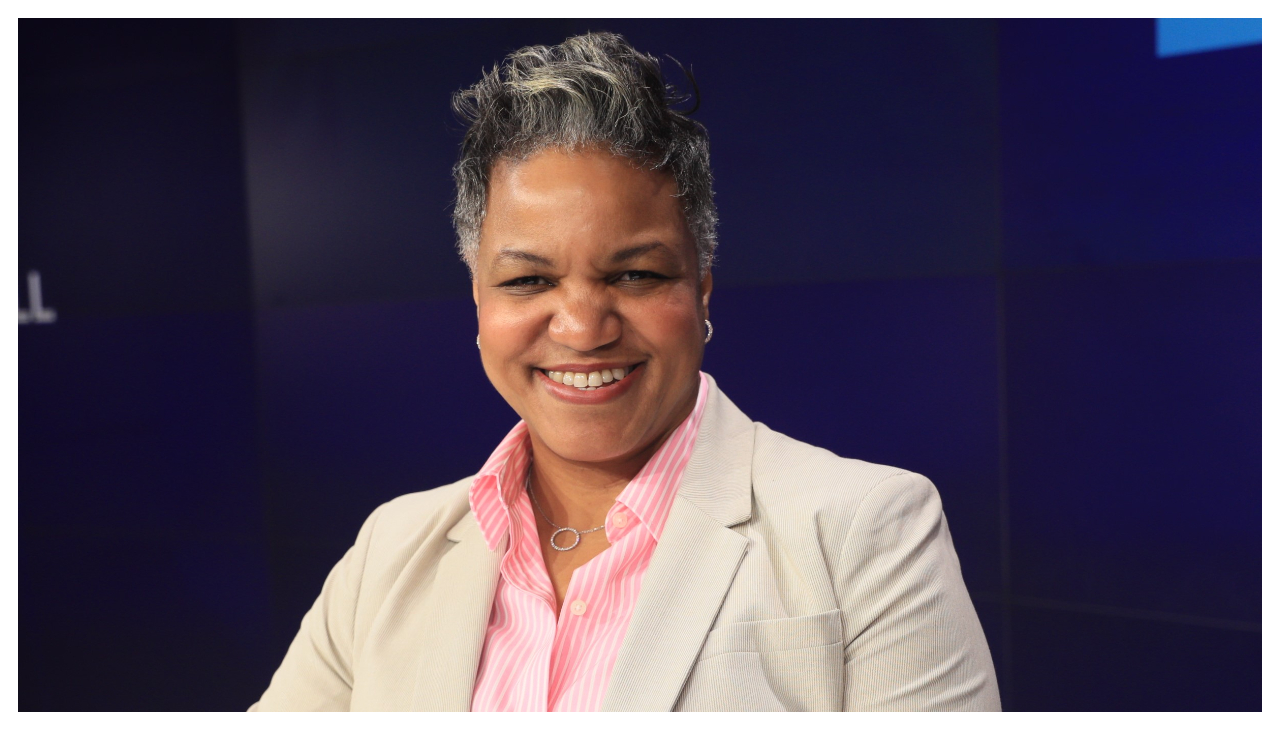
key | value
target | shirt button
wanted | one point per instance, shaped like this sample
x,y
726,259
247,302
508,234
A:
x,y
620,520
577,608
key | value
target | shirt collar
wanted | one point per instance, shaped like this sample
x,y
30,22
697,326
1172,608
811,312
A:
x,y
498,484
653,489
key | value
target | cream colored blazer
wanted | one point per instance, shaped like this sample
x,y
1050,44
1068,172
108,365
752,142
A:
x,y
787,578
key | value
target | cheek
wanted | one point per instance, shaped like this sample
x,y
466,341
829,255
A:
x,y
670,325
505,333
506,321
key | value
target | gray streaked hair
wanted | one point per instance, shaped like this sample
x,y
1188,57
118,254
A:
x,y
592,89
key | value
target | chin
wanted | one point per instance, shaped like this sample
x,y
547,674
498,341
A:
x,y
589,448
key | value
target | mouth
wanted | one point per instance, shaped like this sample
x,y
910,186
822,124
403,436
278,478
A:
x,y
590,379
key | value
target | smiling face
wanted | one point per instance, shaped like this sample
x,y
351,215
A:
x,y
586,267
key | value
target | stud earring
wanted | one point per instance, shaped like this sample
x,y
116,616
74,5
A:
x,y
477,342
709,331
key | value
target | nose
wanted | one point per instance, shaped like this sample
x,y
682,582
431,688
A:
x,y
585,320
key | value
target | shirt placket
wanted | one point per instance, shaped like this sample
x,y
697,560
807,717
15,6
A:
x,y
586,609
573,630
528,576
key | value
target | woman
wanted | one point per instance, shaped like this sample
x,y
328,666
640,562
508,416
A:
x,y
635,542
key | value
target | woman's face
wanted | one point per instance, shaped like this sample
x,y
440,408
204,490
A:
x,y
586,266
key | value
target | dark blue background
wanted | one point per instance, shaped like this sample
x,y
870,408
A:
x,y
1022,258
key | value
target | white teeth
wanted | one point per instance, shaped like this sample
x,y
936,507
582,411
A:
x,y
588,381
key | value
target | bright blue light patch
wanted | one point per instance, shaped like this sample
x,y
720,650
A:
x,y
1180,36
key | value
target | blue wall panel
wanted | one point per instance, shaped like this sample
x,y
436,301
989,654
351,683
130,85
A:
x,y
139,424
1135,437
131,195
1073,662
1180,36
1111,155
142,623
142,563
361,403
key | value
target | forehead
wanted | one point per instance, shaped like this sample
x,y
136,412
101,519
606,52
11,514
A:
x,y
586,197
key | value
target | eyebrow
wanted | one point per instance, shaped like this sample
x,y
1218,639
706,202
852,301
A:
x,y
508,255
633,252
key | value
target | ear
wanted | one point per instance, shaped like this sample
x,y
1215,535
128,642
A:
x,y
475,292
704,291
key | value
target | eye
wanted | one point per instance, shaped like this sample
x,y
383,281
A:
x,y
525,282
630,276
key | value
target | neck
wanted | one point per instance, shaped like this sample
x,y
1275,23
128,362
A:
x,y
580,494
576,493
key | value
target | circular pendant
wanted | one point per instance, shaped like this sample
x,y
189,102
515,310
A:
x,y
577,538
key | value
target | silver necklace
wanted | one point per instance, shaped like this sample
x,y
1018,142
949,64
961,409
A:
x,y
577,534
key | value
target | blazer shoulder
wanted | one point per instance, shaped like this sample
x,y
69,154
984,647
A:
x,y
813,479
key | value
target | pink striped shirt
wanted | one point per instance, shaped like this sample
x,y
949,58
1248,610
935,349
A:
x,y
534,661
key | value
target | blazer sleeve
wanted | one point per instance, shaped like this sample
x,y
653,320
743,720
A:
x,y
912,637
316,674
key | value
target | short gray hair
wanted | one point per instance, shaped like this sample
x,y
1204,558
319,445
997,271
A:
x,y
592,89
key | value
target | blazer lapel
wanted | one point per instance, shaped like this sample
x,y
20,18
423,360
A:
x,y
692,567
458,607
